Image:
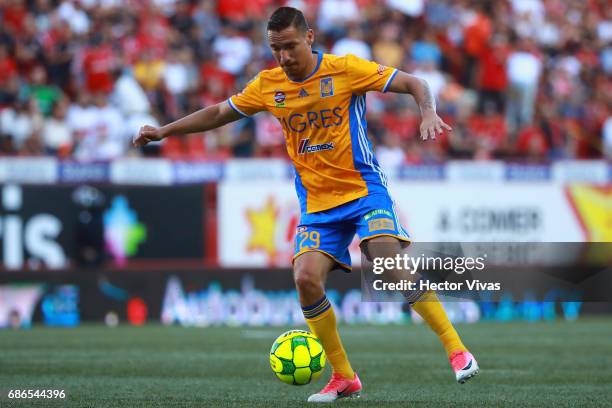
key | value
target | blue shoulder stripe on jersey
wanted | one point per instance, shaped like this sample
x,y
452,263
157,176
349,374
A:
x,y
319,59
231,104
389,81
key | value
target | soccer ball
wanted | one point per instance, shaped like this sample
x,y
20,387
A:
x,y
297,357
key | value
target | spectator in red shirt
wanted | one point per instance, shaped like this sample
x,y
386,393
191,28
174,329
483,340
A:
x,y
492,77
8,66
154,32
99,63
14,17
475,38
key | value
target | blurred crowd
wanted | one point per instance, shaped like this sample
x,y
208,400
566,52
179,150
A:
x,y
524,80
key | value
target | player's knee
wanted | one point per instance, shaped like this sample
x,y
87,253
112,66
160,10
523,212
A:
x,y
307,279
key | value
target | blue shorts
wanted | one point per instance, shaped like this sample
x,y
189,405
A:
x,y
332,231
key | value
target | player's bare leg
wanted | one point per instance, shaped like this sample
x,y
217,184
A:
x,y
430,309
310,272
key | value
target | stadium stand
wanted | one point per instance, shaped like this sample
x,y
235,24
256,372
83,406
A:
x,y
519,80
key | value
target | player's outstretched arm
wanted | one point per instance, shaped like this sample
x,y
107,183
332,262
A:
x,y
208,118
420,90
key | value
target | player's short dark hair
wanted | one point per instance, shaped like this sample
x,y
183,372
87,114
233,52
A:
x,y
285,17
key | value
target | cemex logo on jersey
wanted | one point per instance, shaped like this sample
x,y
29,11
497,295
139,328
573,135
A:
x,y
306,147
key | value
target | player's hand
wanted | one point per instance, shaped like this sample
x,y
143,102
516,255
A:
x,y
147,134
432,125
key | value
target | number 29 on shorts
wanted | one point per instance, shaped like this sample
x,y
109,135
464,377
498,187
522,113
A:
x,y
308,240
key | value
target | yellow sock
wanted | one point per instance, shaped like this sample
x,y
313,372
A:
x,y
431,310
322,323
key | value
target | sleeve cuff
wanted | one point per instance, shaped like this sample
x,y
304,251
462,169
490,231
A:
x,y
231,104
386,87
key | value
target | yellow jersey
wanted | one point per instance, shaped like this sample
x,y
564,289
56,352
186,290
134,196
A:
x,y
323,121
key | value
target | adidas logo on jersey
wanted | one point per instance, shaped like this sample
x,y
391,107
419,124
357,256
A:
x,y
302,93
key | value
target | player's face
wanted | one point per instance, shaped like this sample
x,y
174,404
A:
x,y
292,50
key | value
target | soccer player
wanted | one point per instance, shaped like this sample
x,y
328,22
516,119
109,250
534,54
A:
x,y
319,99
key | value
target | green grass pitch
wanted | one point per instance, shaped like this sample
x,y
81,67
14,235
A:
x,y
554,364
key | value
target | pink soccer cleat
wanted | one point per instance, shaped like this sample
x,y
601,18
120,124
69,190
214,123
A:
x,y
338,387
464,365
